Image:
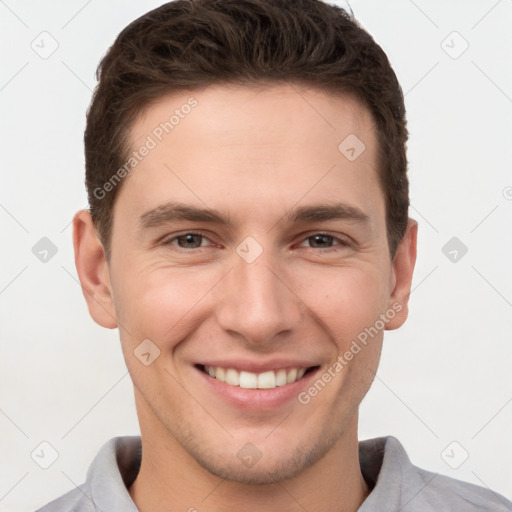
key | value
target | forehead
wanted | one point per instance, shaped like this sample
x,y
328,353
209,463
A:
x,y
264,113
273,144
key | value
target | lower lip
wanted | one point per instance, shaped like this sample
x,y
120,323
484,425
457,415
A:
x,y
257,399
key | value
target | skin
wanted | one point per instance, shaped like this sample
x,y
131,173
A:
x,y
254,153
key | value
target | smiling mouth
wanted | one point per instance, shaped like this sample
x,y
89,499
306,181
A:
x,y
248,380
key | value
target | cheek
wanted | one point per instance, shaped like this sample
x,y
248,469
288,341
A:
x,y
346,300
347,304
158,302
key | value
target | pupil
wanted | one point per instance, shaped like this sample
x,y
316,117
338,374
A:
x,y
189,241
322,240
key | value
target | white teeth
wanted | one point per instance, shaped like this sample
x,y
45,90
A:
x,y
280,377
267,380
232,377
291,376
221,374
249,380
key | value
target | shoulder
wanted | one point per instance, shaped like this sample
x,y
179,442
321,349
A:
x,y
426,490
452,494
73,501
113,469
403,486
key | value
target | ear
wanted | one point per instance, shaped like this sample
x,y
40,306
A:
x,y
401,276
93,271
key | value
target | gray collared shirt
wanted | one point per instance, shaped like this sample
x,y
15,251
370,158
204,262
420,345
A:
x,y
397,485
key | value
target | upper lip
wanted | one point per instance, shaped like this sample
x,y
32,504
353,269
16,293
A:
x,y
258,367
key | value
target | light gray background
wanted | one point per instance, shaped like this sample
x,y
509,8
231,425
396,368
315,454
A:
x,y
444,377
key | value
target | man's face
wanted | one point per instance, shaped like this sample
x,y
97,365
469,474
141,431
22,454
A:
x,y
285,274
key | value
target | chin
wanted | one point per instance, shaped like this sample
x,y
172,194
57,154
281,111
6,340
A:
x,y
253,466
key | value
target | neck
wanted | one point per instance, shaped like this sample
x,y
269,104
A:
x,y
169,475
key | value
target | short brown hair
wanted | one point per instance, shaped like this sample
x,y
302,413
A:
x,y
190,44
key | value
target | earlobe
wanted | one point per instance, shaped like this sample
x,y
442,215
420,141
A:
x,y
93,272
403,267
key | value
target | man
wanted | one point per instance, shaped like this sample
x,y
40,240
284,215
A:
x,y
248,234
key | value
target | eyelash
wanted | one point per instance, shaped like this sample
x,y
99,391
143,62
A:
x,y
339,241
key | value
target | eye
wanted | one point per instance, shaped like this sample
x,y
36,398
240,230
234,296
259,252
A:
x,y
323,241
187,241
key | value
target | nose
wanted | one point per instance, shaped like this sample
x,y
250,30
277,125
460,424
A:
x,y
258,303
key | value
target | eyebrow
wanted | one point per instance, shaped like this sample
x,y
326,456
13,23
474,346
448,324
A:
x,y
172,211
169,212
324,212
